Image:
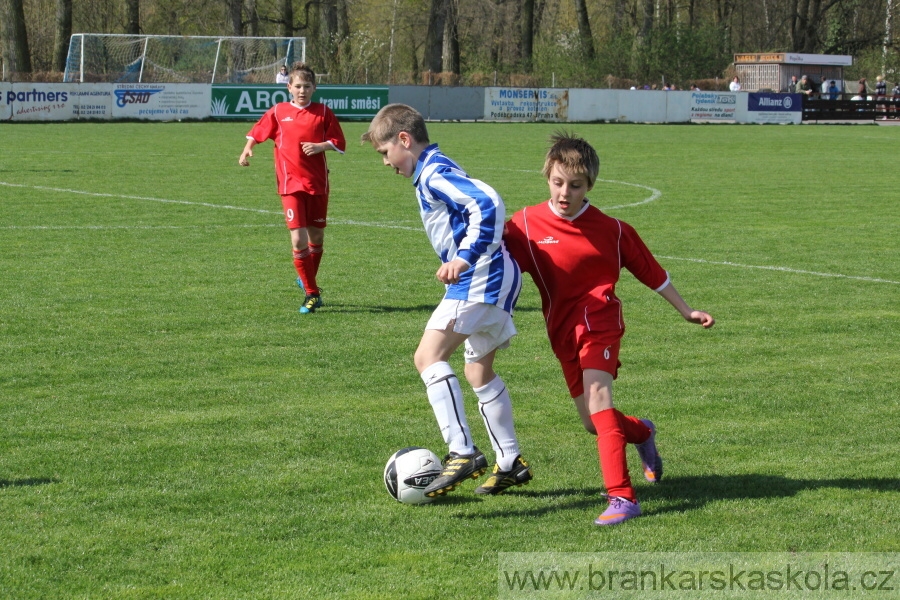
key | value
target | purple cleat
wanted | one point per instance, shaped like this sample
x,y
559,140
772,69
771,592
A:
x,y
619,510
652,462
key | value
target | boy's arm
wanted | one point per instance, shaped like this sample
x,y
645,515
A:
x,y
694,316
247,153
486,215
334,138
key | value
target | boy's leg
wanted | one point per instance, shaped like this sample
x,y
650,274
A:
x,y
611,448
316,214
445,395
442,387
495,407
303,259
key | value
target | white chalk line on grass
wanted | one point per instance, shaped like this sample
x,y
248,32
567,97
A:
x,y
188,203
655,195
782,269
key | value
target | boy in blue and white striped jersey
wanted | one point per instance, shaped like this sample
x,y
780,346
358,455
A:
x,y
464,219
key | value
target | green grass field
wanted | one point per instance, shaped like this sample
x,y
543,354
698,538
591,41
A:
x,y
171,427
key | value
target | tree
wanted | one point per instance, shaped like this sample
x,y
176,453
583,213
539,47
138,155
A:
x,y
450,47
434,37
527,34
15,37
584,29
63,34
287,18
133,10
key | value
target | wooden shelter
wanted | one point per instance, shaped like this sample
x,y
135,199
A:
x,y
772,71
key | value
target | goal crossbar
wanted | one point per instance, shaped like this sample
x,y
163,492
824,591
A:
x,y
172,58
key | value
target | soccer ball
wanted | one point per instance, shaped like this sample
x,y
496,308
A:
x,y
408,472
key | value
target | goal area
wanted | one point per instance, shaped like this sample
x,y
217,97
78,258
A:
x,y
122,58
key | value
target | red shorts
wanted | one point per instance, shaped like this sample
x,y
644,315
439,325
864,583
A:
x,y
595,350
305,210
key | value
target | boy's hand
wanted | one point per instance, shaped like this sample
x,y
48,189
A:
x,y
450,272
310,148
702,318
244,156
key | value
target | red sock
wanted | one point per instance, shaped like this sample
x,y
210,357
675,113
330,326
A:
x,y
316,250
303,262
611,448
635,431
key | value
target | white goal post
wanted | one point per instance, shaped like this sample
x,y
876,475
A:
x,y
122,58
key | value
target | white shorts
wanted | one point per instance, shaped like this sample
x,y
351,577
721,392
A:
x,y
489,328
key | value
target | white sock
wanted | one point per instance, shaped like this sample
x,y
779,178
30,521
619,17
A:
x,y
446,398
496,410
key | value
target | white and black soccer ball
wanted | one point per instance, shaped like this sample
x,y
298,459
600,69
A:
x,y
408,472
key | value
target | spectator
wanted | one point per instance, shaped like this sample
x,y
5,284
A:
x,y
880,93
694,87
735,85
831,91
792,86
880,86
806,86
896,91
283,76
823,88
861,91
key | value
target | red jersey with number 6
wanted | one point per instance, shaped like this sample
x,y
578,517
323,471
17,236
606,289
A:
x,y
575,264
289,125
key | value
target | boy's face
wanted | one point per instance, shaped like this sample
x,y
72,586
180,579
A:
x,y
396,153
301,90
567,190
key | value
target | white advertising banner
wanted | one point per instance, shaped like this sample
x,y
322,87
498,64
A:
x,y
526,104
5,90
71,101
161,101
91,101
39,101
715,107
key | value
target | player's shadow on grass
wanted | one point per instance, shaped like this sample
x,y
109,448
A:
x,y
683,493
27,482
692,492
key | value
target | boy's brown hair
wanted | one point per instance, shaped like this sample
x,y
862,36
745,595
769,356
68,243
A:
x,y
574,154
302,70
391,120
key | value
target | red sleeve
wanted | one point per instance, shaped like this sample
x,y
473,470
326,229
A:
x,y
333,131
517,242
265,128
637,258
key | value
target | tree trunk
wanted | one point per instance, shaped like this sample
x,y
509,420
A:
x,y
888,34
235,13
584,28
527,24
15,37
450,47
133,12
618,16
287,18
63,34
434,37
252,19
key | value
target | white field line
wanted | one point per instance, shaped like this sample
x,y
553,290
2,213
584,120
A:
x,y
654,195
782,269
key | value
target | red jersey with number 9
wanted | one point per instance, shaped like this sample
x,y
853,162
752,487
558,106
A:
x,y
289,125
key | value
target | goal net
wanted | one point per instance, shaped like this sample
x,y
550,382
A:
x,y
120,58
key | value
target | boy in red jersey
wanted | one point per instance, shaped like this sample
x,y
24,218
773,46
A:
x,y
303,131
574,253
